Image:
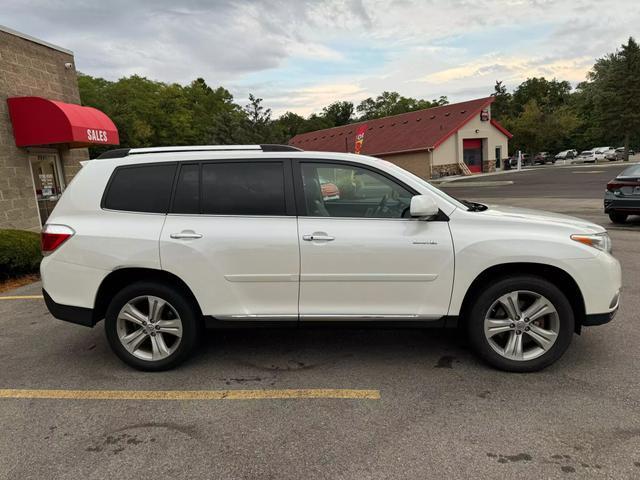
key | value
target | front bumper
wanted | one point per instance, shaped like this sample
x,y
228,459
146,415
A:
x,y
592,320
77,315
599,318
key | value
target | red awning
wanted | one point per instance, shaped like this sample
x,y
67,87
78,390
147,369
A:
x,y
39,121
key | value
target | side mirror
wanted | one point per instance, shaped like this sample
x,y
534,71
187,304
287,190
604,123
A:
x,y
423,206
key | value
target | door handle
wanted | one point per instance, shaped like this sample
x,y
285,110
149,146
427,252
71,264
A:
x,y
315,238
185,234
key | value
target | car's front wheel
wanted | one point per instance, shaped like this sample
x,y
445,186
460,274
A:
x,y
152,326
521,324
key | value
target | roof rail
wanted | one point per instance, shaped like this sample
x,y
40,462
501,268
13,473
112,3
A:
x,y
125,152
273,147
115,153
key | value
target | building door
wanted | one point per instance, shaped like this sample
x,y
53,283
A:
x,y
47,181
498,157
472,154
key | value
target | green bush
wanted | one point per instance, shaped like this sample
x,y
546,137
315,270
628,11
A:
x,y
19,253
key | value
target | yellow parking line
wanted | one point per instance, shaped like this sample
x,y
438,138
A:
x,y
23,297
192,394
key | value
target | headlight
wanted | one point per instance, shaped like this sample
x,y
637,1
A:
x,y
601,241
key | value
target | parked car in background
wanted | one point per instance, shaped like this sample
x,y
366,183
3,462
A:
x,y
619,155
526,160
543,157
587,156
622,196
602,152
566,155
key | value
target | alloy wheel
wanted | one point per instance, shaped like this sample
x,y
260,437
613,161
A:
x,y
149,328
521,325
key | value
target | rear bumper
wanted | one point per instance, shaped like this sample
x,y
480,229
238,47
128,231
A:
x,y
77,315
621,204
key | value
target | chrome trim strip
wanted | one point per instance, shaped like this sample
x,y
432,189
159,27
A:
x,y
367,318
251,316
259,277
411,219
326,317
369,277
199,215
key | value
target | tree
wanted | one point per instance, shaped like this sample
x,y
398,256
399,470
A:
x,y
548,94
392,103
615,87
260,127
501,107
288,126
535,130
338,113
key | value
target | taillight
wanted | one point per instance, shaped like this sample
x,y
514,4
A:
x,y
52,236
615,184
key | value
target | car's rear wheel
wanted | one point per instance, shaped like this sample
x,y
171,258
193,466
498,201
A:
x,y
521,324
617,217
151,326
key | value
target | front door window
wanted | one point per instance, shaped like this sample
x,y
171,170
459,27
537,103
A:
x,y
48,183
348,191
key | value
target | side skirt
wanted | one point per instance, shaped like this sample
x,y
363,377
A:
x,y
226,324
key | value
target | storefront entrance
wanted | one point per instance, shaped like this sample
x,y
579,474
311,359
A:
x,y
48,182
472,154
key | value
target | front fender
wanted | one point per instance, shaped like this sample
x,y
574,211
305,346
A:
x,y
475,257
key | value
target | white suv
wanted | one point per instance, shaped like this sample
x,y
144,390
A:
x,y
161,242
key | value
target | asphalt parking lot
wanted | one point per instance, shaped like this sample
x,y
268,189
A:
x,y
426,407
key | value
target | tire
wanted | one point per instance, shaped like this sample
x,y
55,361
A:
x,y
172,337
531,357
617,217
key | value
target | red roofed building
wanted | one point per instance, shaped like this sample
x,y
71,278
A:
x,y
435,142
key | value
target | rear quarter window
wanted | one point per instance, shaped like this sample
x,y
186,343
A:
x,y
140,188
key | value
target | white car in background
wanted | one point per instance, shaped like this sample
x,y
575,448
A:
x,y
601,152
162,242
586,156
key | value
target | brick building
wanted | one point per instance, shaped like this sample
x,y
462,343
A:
x,y
44,131
431,143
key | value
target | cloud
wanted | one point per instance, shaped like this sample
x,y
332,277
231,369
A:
x,y
308,100
303,54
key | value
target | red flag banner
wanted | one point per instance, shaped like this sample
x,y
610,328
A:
x,y
360,138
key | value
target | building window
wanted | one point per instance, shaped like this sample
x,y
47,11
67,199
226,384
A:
x,y
48,182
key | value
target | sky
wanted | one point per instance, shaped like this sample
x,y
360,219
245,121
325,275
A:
x,y
301,55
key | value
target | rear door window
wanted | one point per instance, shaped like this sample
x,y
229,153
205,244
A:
x,y
243,188
140,188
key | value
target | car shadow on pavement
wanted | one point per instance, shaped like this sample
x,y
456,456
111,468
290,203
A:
x,y
305,348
